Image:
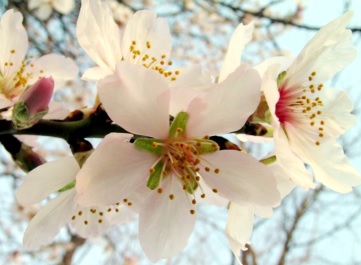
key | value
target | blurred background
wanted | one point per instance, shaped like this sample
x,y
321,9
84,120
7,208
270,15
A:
x,y
310,227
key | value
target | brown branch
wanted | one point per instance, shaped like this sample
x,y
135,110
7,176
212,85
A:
x,y
76,243
296,219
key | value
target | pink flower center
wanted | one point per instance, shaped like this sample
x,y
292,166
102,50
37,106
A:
x,y
302,107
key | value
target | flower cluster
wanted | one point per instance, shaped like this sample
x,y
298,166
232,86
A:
x,y
166,158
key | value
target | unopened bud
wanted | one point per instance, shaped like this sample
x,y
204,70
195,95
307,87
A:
x,y
33,103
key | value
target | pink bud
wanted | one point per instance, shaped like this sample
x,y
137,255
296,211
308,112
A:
x,y
37,97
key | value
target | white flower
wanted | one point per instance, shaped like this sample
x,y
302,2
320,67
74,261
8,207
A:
x,y
59,176
16,73
44,8
174,161
145,41
307,116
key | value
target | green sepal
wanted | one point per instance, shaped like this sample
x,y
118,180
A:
x,y
21,117
206,146
269,160
150,145
68,186
178,126
281,78
155,177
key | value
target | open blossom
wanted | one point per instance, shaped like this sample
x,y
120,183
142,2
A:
x,y
174,162
44,8
16,73
59,176
307,116
145,41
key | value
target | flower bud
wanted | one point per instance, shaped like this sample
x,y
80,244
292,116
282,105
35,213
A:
x,y
33,103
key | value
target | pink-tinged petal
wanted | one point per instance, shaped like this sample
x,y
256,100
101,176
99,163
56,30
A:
x,y
180,97
241,36
270,88
226,106
113,171
137,99
149,35
98,34
56,111
14,42
239,227
96,73
241,178
290,162
190,82
90,221
64,6
4,103
51,218
326,53
164,224
192,77
59,67
46,179
328,161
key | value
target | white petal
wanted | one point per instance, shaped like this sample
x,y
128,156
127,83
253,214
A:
x,y
44,11
145,27
283,62
13,37
98,34
328,161
326,53
113,171
241,178
63,6
225,107
96,73
336,112
239,227
241,36
51,218
137,99
45,179
290,162
34,4
165,225
59,67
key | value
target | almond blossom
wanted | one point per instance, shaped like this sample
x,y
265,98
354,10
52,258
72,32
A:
x,y
16,73
59,176
145,41
176,158
307,116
